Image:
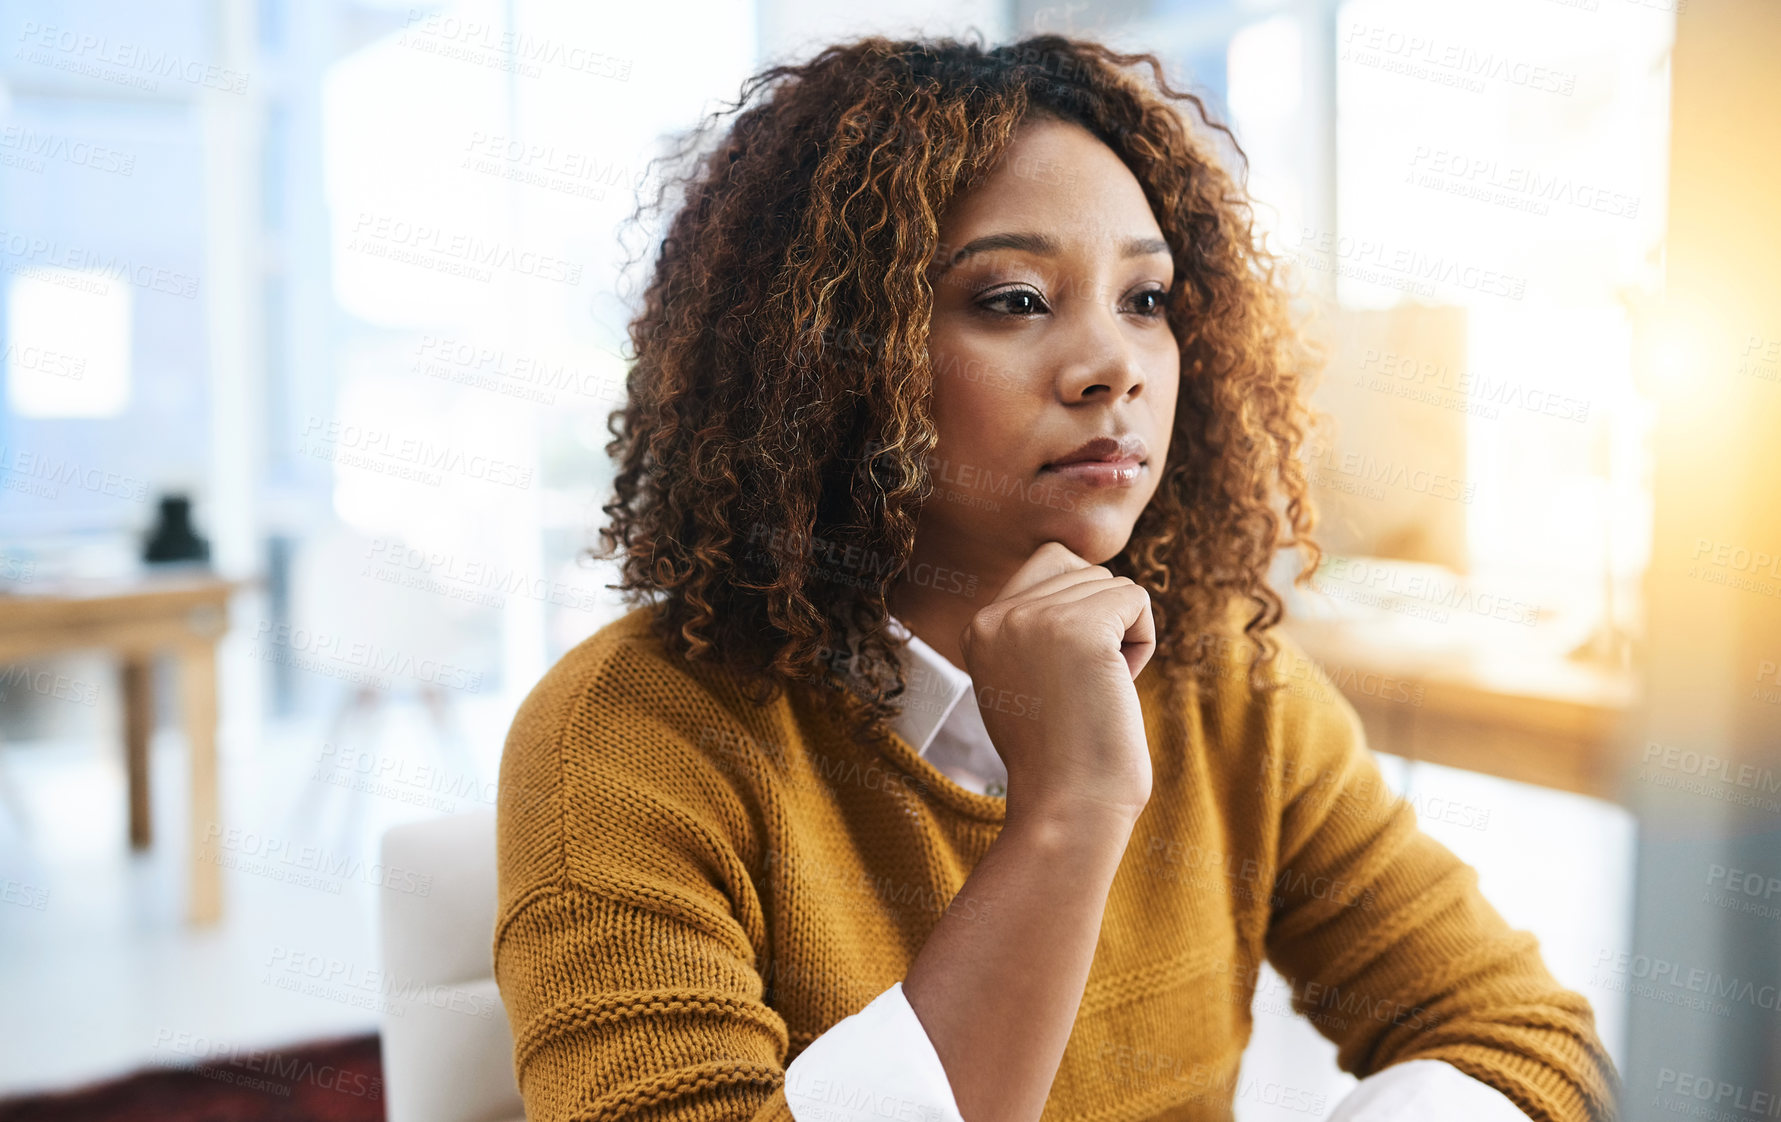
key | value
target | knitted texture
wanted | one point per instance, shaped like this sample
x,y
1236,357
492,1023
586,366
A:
x,y
693,888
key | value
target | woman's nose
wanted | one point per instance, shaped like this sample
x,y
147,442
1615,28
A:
x,y
1098,358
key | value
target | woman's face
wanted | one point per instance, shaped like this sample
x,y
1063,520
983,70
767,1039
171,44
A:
x,y
1049,331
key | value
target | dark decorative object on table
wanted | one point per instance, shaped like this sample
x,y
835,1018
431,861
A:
x,y
173,538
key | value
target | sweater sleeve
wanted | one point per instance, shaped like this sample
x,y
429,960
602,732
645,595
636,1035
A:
x,y
1392,951
624,942
610,1024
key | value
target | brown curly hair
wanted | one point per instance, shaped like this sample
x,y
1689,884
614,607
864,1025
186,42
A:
x,y
781,377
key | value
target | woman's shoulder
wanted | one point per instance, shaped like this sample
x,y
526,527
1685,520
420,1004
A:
x,y
626,652
634,629
1240,692
622,708
612,729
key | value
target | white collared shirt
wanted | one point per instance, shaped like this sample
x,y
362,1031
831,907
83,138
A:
x,y
884,1048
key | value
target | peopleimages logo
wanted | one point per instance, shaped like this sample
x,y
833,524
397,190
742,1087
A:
x,y
526,54
1740,890
1436,383
351,983
1675,983
36,473
305,864
1403,267
1454,64
228,1062
119,60
418,243
383,449
1722,769
1705,1088
87,269
1739,558
33,148
301,646
1518,188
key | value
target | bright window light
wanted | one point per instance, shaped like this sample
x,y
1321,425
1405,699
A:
x,y
67,345
1267,102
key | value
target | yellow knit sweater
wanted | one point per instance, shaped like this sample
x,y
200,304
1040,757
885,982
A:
x,y
693,888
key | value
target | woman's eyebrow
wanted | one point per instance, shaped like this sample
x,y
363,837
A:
x,y
1044,245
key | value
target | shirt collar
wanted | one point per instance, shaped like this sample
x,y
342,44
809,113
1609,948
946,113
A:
x,y
934,688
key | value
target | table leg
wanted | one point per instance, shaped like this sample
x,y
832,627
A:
x,y
197,683
137,678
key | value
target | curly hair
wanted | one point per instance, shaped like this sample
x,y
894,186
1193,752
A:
x,y
780,384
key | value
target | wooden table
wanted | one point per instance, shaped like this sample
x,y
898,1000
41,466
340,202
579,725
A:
x,y
181,613
1499,709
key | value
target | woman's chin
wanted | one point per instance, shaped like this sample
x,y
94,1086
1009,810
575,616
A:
x,y
1096,537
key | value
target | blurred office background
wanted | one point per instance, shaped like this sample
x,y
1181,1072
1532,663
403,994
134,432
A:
x,y
345,276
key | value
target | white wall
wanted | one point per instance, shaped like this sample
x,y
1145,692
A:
x,y
795,29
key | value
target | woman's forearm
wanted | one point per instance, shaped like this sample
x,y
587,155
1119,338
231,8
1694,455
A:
x,y
997,985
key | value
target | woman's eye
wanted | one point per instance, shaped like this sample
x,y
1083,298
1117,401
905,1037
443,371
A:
x,y
1016,301
1151,302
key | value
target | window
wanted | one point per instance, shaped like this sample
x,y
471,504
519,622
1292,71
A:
x,y
67,344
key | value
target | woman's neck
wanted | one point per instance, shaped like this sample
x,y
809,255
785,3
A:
x,y
935,599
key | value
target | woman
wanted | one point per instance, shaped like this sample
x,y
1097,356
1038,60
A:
x,y
928,775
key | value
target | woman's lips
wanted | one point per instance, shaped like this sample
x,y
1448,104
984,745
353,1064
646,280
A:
x,y
1100,473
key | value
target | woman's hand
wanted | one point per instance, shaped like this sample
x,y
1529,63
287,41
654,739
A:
x,y
1065,639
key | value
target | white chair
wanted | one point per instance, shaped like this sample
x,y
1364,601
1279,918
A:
x,y
447,1049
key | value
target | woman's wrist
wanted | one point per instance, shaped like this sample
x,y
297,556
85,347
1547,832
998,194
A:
x,y
1068,824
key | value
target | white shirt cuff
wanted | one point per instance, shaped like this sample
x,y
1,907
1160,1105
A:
x,y
875,1065
879,1063
1423,1089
